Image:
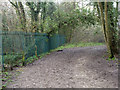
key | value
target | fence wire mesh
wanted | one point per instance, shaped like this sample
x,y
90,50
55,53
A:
x,y
19,45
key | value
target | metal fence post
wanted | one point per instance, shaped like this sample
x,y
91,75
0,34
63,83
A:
x,y
23,47
1,52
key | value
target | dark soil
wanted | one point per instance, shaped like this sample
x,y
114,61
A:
x,y
80,67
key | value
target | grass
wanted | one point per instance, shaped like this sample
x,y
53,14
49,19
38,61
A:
x,y
78,45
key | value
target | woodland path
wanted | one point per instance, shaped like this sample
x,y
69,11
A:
x,y
80,67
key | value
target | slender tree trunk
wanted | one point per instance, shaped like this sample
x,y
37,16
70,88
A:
x,y
23,17
102,20
119,30
98,10
108,31
34,9
20,13
74,4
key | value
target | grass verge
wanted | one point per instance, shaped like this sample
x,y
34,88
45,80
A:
x,y
77,45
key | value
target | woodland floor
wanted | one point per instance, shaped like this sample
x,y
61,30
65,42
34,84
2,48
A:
x,y
80,67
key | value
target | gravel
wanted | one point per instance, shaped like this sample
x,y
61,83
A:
x,y
80,67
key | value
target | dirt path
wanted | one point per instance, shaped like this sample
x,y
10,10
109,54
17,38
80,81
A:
x,y
81,67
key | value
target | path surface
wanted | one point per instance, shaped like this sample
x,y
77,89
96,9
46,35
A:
x,y
80,67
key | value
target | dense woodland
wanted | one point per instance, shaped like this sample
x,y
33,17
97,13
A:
x,y
78,21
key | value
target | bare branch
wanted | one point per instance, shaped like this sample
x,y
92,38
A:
x,y
15,5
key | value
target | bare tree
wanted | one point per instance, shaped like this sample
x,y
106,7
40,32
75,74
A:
x,y
20,13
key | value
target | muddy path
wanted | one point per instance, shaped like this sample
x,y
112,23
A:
x,y
80,67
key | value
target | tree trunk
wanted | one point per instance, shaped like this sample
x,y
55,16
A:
x,y
109,24
20,13
113,27
102,20
23,17
34,9
108,31
119,29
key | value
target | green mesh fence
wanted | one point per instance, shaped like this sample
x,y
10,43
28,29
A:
x,y
12,44
35,42
18,44
56,41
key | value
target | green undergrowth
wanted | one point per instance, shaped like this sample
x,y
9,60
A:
x,y
34,58
7,75
6,78
112,59
77,45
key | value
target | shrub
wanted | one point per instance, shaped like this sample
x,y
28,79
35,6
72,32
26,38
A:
x,y
11,60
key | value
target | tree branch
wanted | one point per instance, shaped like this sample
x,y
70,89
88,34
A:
x,y
15,5
38,7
